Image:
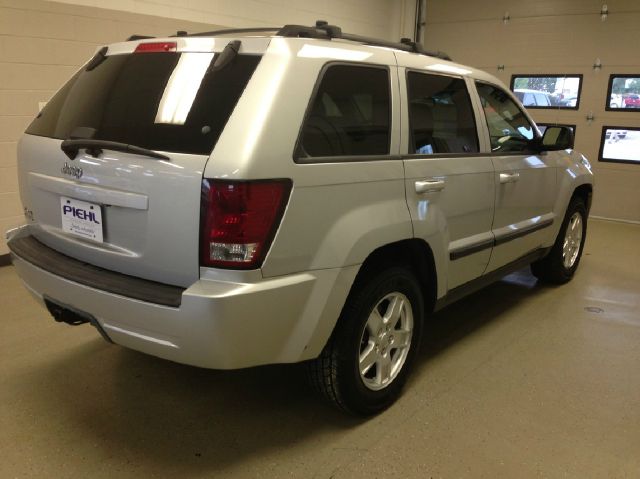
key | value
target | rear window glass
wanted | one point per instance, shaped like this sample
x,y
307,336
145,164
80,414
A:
x,y
350,114
161,101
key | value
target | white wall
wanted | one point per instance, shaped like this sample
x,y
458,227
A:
x,y
42,43
555,36
365,17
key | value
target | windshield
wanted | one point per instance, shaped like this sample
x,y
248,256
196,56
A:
x,y
161,101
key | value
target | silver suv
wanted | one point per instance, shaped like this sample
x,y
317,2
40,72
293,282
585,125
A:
x,y
239,198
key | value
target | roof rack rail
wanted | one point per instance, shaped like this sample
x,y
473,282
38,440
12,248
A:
x,y
227,31
417,48
322,29
138,37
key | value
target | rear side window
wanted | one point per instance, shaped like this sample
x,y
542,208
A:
x,y
350,113
440,115
161,101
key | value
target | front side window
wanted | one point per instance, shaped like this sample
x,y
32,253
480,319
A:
x,y
509,128
350,114
440,115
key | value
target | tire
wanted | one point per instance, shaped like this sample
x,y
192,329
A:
x,y
559,266
361,335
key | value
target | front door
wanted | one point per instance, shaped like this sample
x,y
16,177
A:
x,y
525,180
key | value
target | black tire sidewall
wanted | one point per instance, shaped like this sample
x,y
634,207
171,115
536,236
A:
x,y
358,398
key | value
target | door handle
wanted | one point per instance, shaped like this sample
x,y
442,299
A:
x,y
427,186
509,177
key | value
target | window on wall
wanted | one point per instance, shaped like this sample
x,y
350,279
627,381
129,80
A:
x,y
548,91
620,144
350,113
509,128
440,115
543,127
623,93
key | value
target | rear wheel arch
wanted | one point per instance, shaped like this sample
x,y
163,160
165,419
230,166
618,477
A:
x,y
405,268
369,355
414,253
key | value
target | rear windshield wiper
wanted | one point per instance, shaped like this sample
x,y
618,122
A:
x,y
229,53
94,147
97,59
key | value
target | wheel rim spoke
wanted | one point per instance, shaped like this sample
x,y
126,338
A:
x,y
401,339
383,373
394,311
368,358
375,322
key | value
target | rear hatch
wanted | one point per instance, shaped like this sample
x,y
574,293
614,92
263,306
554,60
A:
x,y
133,209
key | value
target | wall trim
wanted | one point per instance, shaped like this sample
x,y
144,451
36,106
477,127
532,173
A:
x,y
615,220
5,260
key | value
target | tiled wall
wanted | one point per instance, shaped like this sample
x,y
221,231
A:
x,y
43,43
555,36
366,17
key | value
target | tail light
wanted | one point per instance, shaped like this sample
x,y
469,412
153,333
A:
x,y
239,220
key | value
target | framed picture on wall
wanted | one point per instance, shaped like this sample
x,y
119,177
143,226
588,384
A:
x,y
620,144
623,93
550,91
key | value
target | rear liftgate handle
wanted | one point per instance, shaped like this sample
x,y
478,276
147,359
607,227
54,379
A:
x,y
429,186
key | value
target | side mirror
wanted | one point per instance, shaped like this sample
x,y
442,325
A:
x,y
557,138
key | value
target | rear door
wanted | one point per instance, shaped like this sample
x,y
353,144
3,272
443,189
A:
x,y
449,184
525,180
129,212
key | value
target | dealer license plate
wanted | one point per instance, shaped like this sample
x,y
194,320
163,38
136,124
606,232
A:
x,y
81,218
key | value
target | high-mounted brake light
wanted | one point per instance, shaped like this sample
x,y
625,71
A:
x,y
239,220
155,47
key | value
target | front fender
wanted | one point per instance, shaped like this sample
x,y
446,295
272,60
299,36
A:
x,y
574,170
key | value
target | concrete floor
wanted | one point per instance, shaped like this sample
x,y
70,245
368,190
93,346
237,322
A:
x,y
516,381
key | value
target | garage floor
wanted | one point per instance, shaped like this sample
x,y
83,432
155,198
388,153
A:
x,y
516,381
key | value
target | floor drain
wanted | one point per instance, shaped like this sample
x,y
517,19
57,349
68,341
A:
x,y
594,309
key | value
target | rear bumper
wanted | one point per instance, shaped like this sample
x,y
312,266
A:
x,y
218,324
